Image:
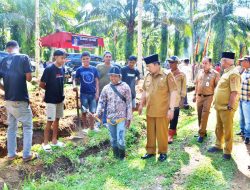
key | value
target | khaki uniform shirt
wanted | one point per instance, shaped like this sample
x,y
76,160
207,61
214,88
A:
x,y
180,79
206,82
229,82
158,89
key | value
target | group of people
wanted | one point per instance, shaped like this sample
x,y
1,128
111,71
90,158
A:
x,y
102,84
108,93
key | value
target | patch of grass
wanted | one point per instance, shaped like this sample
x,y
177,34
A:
x,y
213,173
102,171
206,177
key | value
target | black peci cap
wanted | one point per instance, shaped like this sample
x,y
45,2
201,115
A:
x,y
151,59
228,55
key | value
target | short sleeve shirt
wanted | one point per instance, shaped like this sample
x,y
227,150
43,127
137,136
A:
x,y
53,76
13,69
87,77
158,89
103,74
130,76
180,79
206,82
229,82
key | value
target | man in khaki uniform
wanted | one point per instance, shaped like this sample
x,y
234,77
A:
x,y
205,84
159,96
226,101
180,79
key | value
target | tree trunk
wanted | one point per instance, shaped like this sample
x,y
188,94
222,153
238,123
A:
x,y
2,38
164,42
177,43
129,46
37,38
219,41
16,34
139,37
192,30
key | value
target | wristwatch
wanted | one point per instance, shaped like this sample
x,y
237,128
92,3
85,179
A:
x,y
229,107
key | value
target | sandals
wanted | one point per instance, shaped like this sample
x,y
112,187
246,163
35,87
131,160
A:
x,y
46,148
58,144
32,157
12,158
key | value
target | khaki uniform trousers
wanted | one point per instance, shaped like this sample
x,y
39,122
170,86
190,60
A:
x,y
157,129
224,130
203,109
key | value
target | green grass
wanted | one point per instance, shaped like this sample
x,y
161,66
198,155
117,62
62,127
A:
x,y
102,171
213,173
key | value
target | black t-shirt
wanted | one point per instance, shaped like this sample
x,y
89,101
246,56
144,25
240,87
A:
x,y
13,69
129,76
53,76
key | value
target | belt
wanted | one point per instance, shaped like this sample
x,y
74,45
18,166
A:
x,y
115,121
204,95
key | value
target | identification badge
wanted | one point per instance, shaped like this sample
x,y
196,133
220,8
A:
x,y
207,83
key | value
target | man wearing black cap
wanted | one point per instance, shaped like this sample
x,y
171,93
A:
x,y
158,86
131,76
226,99
52,82
15,70
244,106
180,79
116,99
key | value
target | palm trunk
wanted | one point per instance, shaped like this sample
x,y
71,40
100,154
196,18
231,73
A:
x,y
129,46
219,41
37,38
164,41
139,37
192,30
177,43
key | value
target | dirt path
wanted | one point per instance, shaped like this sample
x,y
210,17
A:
x,y
241,156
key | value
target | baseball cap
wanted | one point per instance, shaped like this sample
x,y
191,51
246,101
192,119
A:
x,y
60,52
114,71
173,59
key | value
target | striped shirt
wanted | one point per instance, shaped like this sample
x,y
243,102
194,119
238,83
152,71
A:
x,y
245,86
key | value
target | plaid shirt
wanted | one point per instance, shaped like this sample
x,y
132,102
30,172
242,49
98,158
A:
x,y
245,86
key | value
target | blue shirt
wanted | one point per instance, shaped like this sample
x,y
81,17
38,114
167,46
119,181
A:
x,y
13,69
129,76
87,76
53,76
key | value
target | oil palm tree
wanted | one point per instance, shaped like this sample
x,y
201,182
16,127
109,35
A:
x,y
220,14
